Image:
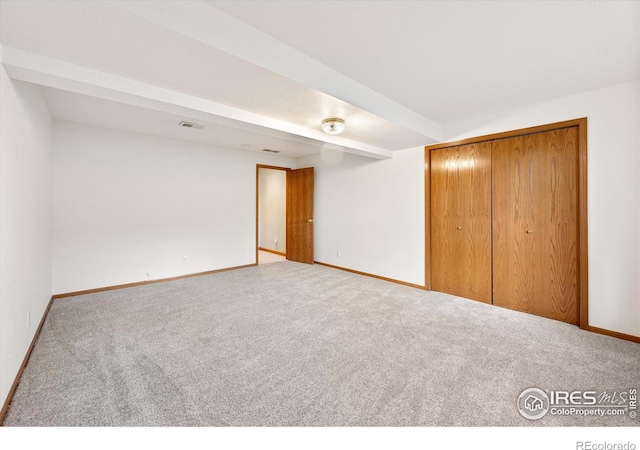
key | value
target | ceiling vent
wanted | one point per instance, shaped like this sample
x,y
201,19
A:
x,y
270,151
191,125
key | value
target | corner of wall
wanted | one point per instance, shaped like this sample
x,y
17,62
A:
x,y
25,221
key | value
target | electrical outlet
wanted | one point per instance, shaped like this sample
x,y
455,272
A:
x,y
275,241
28,319
148,275
184,260
338,253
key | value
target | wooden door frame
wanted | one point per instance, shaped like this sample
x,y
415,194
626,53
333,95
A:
x,y
258,167
583,260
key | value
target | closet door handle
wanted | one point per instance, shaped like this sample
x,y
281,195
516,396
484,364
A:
x,y
458,228
529,231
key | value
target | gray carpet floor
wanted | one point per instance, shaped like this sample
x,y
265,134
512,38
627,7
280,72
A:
x,y
289,344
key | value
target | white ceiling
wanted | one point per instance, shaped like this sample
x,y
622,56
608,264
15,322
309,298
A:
x,y
454,60
266,73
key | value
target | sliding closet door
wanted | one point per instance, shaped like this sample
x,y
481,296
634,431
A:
x,y
535,223
461,221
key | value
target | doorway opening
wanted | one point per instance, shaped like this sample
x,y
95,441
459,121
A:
x,y
284,214
271,207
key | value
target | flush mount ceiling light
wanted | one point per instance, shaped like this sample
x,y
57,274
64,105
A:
x,y
333,126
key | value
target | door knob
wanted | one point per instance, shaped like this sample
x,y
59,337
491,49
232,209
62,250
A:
x,y
310,220
458,228
529,231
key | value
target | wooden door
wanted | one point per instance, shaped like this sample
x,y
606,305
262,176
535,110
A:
x,y
535,223
461,221
300,215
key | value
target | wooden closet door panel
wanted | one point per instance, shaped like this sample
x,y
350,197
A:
x,y
535,224
461,221
513,192
556,243
445,213
475,207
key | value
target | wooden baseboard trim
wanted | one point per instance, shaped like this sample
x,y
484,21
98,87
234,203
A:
x,y
275,252
140,283
615,334
14,386
357,272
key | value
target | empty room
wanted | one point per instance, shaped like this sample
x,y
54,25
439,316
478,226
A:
x,y
320,214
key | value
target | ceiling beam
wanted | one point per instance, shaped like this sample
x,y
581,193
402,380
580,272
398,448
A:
x,y
45,71
202,21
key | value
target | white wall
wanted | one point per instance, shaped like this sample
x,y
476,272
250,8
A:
x,y
371,211
25,221
613,191
272,207
125,204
